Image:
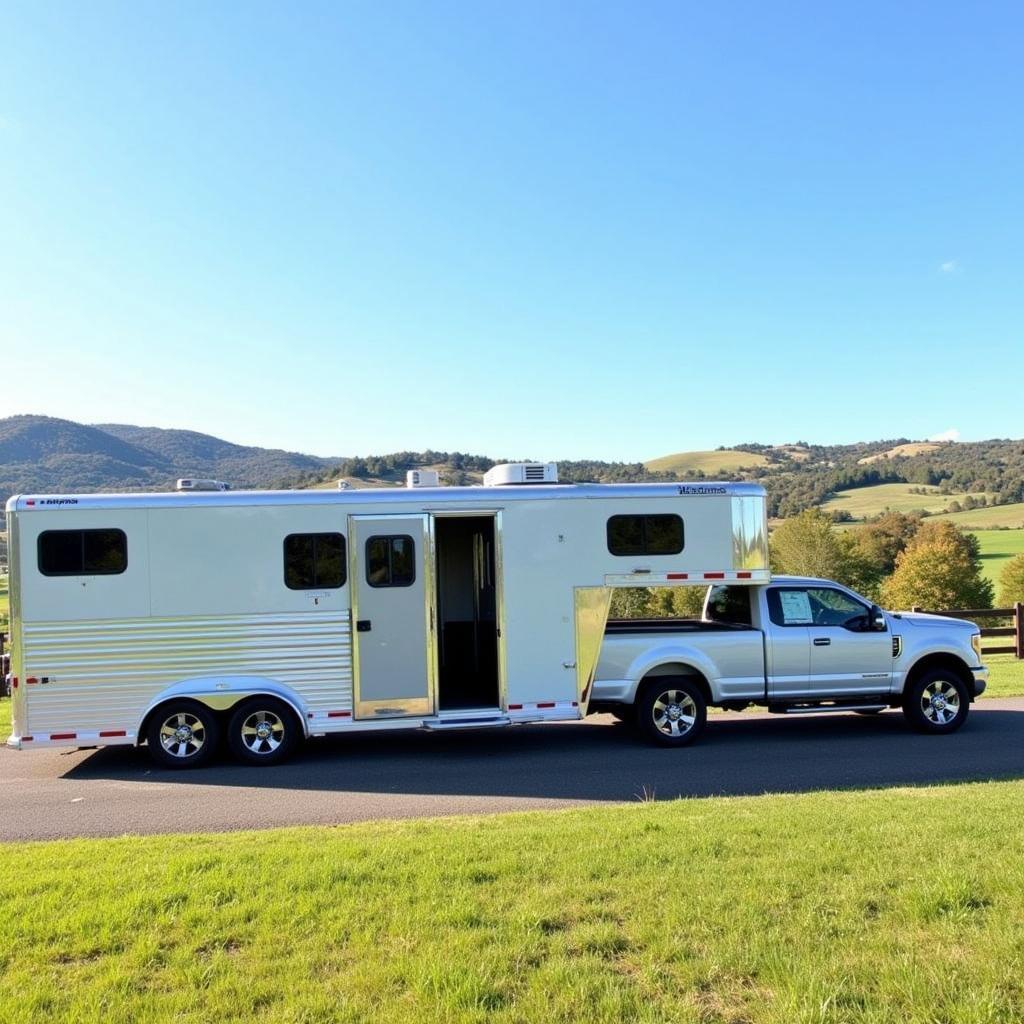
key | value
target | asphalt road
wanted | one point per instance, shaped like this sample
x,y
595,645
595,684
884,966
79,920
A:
x,y
47,794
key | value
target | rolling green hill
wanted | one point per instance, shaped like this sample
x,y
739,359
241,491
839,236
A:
x,y
725,462
997,548
1011,516
864,502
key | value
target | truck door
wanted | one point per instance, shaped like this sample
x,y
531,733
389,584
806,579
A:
x,y
787,646
847,656
392,616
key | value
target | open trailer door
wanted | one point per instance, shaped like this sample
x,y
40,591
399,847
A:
x,y
392,616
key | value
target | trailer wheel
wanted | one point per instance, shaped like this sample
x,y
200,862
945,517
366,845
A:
x,y
936,702
263,730
671,711
183,734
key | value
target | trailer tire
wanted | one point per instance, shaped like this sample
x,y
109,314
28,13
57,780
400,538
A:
x,y
263,731
182,734
936,702
671,710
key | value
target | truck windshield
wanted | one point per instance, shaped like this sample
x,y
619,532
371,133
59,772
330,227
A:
x,y
729,604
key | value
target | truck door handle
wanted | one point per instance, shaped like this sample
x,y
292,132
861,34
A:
x,y
363,626
821,641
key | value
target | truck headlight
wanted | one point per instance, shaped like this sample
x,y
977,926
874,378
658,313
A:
x,y
976,644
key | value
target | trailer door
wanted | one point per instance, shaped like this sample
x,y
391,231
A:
x,y
392,615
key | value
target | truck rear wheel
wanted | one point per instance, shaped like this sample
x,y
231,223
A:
x,y
671,711
182,734
936,702
263,730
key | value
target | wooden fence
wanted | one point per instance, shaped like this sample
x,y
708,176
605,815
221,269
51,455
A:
x,y
1016,613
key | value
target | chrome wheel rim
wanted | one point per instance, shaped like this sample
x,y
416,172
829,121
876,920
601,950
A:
x,y
940,702
262,732
182,735
674,713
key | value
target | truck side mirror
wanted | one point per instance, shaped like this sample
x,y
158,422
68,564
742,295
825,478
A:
x,y
878,623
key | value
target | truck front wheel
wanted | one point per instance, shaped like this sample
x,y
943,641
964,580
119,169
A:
x,y
936,702
671,711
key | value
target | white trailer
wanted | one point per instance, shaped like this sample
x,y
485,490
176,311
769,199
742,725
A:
x,y
173,619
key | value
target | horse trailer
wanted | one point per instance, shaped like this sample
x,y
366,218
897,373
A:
x,y
174,618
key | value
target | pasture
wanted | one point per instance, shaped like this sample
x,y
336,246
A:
x,y
997,548
865,502
1009,516
709,463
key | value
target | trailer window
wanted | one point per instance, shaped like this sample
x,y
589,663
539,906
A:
x,y
314,561
645,535
391,561
82,552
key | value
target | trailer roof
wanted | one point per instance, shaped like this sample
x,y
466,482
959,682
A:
x,y
379,495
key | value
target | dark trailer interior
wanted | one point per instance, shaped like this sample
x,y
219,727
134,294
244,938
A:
x,y
467,612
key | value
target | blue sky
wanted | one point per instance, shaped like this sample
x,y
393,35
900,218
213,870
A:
x,y
555,230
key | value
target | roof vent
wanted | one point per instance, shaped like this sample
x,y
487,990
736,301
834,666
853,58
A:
x,y
422,478
191,484
521,473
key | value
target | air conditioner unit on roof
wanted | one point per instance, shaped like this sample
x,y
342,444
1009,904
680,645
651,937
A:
x,y
521,473
422,478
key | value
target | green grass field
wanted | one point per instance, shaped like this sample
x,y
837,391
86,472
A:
x,y
4,605
903,905
1011,516
864,502
707,462
997,548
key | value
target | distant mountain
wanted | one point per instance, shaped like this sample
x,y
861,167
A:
x,y
43,454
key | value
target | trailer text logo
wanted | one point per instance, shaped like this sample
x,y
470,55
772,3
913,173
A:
x,y
697,489
53,501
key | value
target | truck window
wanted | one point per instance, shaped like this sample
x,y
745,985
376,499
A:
x,y
816,606
729,604
645,535
390,561
314,561
82,552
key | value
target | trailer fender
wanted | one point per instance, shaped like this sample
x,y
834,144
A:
x,y
220,693
663,659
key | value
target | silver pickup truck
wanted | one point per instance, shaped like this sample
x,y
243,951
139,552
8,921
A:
x,y
796,646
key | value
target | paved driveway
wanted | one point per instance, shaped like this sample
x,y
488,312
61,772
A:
x,y
51,793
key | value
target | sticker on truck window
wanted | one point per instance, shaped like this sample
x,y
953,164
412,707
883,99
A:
x,y
796,608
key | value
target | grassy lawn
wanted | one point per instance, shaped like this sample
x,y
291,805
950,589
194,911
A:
x,y
863,502
899,905
5,604
1006,675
